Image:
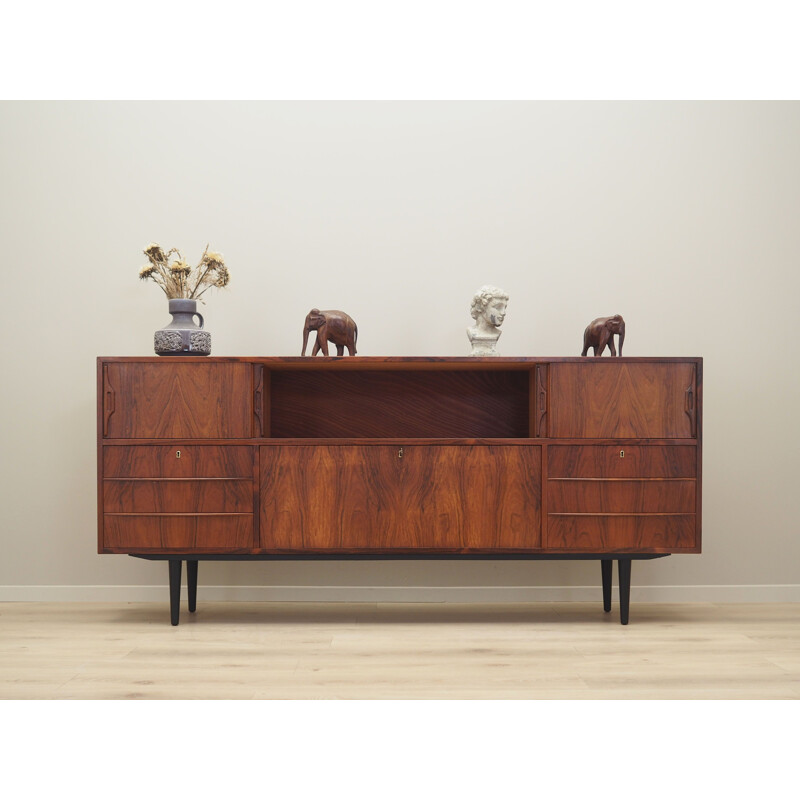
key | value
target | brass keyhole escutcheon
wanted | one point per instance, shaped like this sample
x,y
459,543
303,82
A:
x,y
177,454
400,453
622,454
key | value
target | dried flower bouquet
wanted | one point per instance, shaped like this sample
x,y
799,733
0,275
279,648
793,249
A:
x,y
177,279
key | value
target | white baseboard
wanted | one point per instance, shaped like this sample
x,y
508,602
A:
x,y
753,593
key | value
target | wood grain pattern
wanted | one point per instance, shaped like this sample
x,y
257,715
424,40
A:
x,y
217,532
629,533
322,497
161,461
621,496
109,400
541,399
386,404
604,461
595,400
538,401
471,497
168,399
260,427
177,495
691,410
372,498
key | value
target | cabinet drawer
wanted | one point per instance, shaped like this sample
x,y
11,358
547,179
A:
x,y
217,532
630,532
178,495
621,461
620,496
164,461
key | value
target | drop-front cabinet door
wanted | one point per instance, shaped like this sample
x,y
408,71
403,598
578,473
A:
x,y
611,399
173,400
393,497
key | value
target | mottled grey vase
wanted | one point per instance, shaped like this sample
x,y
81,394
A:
x,y
182,337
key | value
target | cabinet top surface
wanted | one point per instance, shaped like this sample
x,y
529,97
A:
x,y
366,362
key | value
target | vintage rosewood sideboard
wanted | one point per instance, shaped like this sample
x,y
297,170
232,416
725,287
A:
x,y
403,458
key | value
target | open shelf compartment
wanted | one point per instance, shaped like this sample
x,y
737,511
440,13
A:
x,y
318,404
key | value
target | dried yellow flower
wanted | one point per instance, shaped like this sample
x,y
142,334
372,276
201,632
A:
x,y
180,268
214,260
223,276
154,252
146,271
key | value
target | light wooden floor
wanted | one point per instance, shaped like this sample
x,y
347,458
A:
x,y
311,650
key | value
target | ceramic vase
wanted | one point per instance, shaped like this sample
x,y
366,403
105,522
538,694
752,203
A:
x,y
183,337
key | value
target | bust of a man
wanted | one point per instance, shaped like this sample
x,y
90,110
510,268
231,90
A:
x,y
488,310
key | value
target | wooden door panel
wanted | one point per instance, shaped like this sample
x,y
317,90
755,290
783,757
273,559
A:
x,y
476,498
587,496
373,498
597,534
217,532
621,461
171,400
320,497
177,461
178,496
599,399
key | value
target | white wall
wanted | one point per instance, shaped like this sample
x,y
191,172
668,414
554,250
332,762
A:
x,y
683,217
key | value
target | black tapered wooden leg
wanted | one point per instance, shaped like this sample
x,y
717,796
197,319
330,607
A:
x,y
191,579
606,565
174,590
624,566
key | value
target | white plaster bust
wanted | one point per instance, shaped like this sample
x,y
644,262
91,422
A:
x,y
488,310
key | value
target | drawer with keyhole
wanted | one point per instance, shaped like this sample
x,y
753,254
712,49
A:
x,y
178,461
621,461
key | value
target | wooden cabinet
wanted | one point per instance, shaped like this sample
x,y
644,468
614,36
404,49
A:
x,y
399,457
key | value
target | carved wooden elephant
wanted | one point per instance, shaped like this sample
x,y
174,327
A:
x,y
600,333
331,326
